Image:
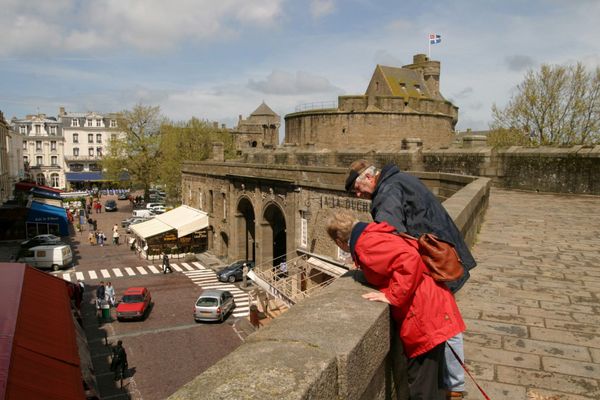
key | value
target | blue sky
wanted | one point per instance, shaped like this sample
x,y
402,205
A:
x,y
216,60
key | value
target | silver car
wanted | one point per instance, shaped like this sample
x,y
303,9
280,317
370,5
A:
x,y
213,305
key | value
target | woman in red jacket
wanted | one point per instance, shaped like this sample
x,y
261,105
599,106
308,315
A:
x,y
424,309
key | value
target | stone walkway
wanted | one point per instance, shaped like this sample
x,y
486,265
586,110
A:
x,y
532,305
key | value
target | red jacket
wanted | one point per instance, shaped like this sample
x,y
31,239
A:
x,y
424,309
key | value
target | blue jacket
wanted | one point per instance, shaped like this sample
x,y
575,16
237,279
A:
x,y
404,202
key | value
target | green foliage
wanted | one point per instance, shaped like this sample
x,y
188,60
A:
x,y
557,105
502,137
136,147
187,141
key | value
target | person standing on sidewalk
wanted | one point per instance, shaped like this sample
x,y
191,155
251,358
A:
x,y
119,361
405,203
100,295
110,294
165,263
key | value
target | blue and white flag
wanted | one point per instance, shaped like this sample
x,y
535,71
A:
x,y
434,39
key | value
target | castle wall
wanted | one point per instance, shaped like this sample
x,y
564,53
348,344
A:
x,y
366,130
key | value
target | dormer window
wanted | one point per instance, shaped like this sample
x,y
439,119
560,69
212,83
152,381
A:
x,y
403,85
418,89
98,122
113,123
89,122
75,122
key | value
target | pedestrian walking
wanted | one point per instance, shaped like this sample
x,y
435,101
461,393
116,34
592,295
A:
x,y
405,203
92,238
110,294
119,363
116,234
100,295
101,238
424,310
165,263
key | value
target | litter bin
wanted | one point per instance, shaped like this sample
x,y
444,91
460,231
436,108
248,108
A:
x,y
105,311
254,316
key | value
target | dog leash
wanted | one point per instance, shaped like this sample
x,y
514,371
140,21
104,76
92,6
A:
x,y
469,373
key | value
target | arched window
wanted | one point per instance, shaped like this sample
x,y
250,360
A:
x,y
40,179
54,181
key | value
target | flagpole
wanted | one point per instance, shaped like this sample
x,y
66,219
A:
x,y
429,48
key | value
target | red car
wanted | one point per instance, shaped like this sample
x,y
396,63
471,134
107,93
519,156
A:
x,y
134,304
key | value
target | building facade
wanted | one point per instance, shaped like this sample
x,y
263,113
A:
x,y
399,104
5,182
43,147
87,137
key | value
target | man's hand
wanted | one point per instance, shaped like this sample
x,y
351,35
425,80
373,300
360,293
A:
x,y
376,296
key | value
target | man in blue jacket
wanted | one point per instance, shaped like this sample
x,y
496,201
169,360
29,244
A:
x,y
404,202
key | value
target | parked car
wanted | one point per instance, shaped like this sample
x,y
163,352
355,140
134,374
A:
x,y
41,240
158,209
135,221
144,213
150,206
132,220
234,272
134,304
54,256
123,196
110,205
213,305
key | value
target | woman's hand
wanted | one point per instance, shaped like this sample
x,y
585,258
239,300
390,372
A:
x,y
376,296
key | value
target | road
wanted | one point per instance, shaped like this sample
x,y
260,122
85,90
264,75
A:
x,y
168,348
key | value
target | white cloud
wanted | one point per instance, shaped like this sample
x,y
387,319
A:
x,y
286,83
72,25
321,8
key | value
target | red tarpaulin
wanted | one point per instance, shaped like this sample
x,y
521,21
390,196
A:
x,y
26,187
38,349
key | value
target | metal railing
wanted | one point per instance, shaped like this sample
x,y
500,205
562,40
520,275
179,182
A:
x,y
319,105
294,284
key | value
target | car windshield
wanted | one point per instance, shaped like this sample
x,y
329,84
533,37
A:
x,y
207,302
133,298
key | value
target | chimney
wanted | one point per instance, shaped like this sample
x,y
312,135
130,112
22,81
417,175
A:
x,y
61,111
218,151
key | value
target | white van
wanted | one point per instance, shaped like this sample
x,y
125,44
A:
x,y
144,213
49,256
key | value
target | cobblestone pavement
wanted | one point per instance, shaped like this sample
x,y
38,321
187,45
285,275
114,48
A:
x,y
532,305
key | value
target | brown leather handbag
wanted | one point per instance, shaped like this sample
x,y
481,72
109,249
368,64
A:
x,y
439,256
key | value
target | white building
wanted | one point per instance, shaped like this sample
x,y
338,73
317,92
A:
x,y
42,149
87,137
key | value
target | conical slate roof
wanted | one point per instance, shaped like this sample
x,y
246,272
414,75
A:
x,y
264,109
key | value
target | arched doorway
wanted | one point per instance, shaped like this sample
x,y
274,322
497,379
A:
x,y
274,234
245,220
40,179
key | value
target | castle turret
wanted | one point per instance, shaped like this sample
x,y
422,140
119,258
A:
x,y
430,70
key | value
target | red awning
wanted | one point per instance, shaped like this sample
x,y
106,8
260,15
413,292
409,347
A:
x,y
38,349
25,186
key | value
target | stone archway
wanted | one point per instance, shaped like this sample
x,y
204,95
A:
x,y
246,235
273,233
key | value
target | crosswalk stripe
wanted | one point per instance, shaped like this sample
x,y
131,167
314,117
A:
x,y
197,264
79,275
142,271
93,275
153,269
117,272
67,277
105,273
129,271
176,267
199,273
187,266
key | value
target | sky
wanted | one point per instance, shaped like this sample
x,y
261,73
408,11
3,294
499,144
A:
x,y
215,60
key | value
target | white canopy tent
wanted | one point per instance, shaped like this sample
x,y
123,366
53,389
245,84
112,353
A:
x,y
183,219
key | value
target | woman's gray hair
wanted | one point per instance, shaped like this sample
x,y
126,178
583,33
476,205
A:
x,y
339,225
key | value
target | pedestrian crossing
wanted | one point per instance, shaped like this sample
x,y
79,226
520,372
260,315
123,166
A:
x,y
120,272
207,279
200,275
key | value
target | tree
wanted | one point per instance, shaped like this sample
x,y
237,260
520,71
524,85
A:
x,y
554,106
136,148
183,141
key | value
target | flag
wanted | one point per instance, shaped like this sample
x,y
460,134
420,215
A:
x,y
434,39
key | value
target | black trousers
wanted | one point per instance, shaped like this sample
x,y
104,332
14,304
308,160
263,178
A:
x,y
425,375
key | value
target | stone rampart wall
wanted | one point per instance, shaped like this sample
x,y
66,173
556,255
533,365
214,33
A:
x,y
333,345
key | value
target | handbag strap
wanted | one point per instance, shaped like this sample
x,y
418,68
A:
x,y
467,371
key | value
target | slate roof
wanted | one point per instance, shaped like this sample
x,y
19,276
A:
x,y
264,109
395,77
